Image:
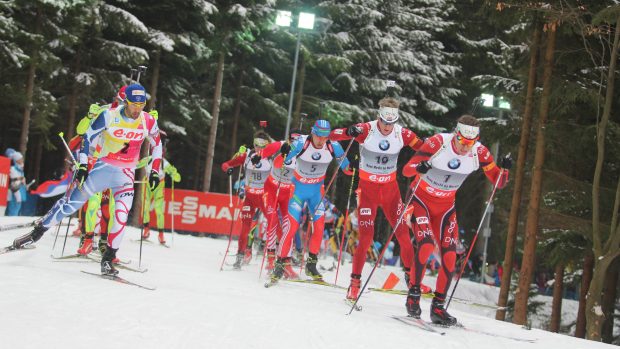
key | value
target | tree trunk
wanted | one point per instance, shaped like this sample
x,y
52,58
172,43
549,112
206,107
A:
x,y
236,114
556,307
23,139
300,91
519,175
206,184
609,302
586,278
531,227
603,255
154,80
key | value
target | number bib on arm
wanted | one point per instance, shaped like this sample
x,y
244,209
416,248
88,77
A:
x,y
283,175
379,154
313,164
256,175
449,170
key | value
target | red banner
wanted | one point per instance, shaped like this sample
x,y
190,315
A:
x,y
5,168
199,212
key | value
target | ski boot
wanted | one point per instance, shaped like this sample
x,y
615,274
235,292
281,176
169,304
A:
x,y
354,288
86,245
311,270
102,245
161,238
278,269
30,238
237,264
289,273
413,302
439,315
146,231
271,258
247,256
107,262
297,258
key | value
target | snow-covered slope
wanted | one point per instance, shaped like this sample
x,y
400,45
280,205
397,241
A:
x,y
50,304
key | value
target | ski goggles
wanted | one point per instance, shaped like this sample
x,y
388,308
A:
x,y
465,141
466,134
260,143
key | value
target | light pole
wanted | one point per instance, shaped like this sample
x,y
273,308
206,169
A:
x,y
499,104
305,20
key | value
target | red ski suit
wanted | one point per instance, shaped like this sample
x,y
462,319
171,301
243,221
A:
x,y
433,219
378,186
278,183
255,177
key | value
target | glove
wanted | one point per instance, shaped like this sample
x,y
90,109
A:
x,y
354,131
505,162
81,174
93,110
229,171
285,148
255,159
423,167
154,113
153,180
176,177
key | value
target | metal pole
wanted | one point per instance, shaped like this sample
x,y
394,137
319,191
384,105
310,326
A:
x,y
290,101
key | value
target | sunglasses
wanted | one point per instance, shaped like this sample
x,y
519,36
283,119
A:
x,y
465,141
137,104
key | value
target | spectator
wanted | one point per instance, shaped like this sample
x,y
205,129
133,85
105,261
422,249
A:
x,y
17,187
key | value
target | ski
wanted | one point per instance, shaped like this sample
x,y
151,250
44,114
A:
x,y
120,266
144,240
460,326
351,303
399,292
119,279
316,282
70,256
16,226
10,248
419,323
431,295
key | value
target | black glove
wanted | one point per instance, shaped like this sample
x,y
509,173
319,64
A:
x,y
285,148
229,171
505,162
354,163
153,180
423,167
81,174
255,159
354,131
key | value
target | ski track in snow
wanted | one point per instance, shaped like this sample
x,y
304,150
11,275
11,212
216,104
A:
x,y
47,303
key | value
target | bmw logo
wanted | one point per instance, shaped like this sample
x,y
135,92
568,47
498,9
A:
x,y
288,162
454,164
384,145
259,165
316,156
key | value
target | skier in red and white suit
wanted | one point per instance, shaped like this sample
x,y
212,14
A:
x,y
277,183
380,143
440,167
256,171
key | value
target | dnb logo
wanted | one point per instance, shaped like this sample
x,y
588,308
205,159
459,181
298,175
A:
x,y
422,220
316,156
365,212
454,164
384,145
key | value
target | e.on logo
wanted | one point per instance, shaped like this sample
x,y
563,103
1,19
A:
x,y
127,134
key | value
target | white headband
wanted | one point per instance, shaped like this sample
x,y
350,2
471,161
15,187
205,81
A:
x,y
467,131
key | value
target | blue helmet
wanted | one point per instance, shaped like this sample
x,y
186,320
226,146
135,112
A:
x,y
135,93
321,128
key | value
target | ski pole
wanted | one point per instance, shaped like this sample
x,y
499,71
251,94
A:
x,y
144,189
232,221
62,253
62,137
398,222
486,209
344,225
172,203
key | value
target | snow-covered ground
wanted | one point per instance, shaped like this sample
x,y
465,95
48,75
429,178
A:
x,y
49,304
